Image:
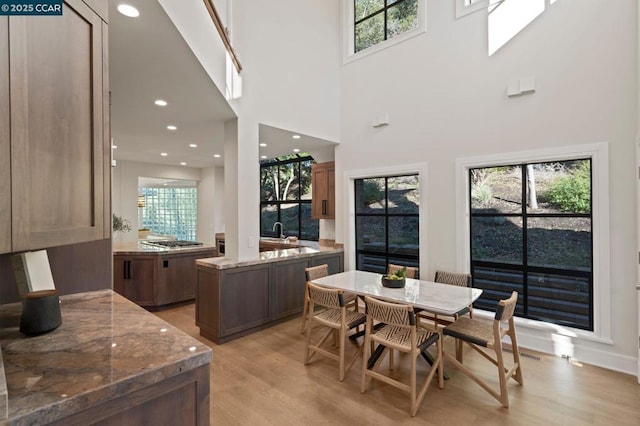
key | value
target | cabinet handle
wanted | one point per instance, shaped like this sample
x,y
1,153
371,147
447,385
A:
x,y
128,270
324,207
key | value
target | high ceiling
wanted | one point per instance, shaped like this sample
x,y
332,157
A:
x,y
149,60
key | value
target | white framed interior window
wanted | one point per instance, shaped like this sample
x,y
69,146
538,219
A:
x,y
372,25
598,155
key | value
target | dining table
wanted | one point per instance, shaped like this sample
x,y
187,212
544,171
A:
x,y
429,296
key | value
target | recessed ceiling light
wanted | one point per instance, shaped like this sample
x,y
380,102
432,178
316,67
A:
x,y
296,136
114,146
183,163
264,157
216,155
263,144
164,154
160,102
172,127
193,145
128,10
296,150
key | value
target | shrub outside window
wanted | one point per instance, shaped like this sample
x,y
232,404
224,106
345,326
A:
x,y
531,231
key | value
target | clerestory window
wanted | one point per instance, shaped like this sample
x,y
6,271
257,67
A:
x,y
376,21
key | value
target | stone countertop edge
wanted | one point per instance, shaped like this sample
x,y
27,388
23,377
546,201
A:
x,y
106,346
267,257
137,248
3,392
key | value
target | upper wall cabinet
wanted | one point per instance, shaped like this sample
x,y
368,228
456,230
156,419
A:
x,y
5,142
323,178
58,108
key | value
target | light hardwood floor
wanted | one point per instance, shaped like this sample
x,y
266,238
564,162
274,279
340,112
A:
x,y
260,380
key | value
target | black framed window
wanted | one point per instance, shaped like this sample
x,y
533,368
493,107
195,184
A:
x,y
378,20
532,231
387,222
285,197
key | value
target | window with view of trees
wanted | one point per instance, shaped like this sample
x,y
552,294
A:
x,y
285,197
169,211
531,231
387,216
378,20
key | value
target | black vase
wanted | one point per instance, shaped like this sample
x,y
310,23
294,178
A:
x,y
386,282
40,312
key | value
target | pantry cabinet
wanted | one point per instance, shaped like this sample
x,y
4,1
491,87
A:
x,y
323,178
5,141
54,69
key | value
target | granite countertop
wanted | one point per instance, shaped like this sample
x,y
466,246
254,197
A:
x,y
137,247
106,346
311,248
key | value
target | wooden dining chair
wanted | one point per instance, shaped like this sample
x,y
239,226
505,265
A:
x,y
401,332
479,334
335,317
453,278
456,278
314,273
411,271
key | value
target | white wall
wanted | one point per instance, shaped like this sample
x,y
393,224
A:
x,y
446,99
210,204
192,20
290,53
290,80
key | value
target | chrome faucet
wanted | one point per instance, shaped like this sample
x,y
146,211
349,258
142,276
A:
x,y
281,228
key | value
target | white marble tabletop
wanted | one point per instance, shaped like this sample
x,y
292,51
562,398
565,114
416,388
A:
x,y
433,297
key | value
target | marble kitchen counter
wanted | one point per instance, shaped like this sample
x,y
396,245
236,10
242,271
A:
x,y
136,247
310,249
106,347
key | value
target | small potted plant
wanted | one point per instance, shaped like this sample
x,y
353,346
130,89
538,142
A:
x,y
120,224
395,280
143,233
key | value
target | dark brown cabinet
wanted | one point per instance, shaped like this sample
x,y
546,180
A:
x,y
288,285
323,178
157,279
176,281
133,277
54,93
233,302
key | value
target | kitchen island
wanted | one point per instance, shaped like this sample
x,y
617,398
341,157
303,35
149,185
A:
x,y
110,362
236,298
155,277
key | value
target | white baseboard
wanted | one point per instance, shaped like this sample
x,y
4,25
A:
x,y
553,344
577,344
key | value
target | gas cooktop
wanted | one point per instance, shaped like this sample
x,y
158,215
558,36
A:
x,y
173,243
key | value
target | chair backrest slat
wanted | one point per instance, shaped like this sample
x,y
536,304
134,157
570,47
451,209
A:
x,y
453,278
316,272
328,297
506,307
411,271
390,313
